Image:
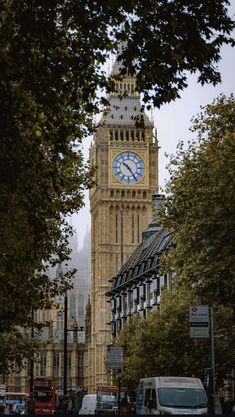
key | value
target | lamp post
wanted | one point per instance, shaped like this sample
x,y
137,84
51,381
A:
x,y
66,330
31,404
65,342
212,359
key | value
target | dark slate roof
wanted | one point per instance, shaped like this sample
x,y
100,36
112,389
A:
x,y
123,112
144,260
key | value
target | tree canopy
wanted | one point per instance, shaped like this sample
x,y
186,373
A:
x,y
160,345
200,206
50,69
199,209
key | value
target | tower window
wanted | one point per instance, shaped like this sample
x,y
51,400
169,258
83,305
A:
x,y
133,228
116,134
138,227
116,228
56,364
122,135
127,134
43,364
133,135
111,134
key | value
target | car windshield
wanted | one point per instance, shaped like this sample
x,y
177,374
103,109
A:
x,y
182,397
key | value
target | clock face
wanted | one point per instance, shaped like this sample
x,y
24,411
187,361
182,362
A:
x,y
128,167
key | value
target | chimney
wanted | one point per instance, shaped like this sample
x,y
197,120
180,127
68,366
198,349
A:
x,y
154,226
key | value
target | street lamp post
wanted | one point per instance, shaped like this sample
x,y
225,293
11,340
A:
x,y
212,358
66,330
65,341
31,405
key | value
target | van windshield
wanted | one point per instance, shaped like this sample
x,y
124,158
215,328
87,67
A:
x,y
182,397
106,401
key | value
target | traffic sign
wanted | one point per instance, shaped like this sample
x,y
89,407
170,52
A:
x,y
199,322
2,390
114,357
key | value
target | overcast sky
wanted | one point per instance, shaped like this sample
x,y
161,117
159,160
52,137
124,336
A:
x,y
173,122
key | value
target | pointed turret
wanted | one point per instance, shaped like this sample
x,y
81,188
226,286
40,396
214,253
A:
x,y
125,106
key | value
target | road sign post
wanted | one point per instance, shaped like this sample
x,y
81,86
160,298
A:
x,y
114,357
201,319
199,323
2,390
115,361
212,358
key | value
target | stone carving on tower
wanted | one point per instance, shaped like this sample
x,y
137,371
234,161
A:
x,y
125,152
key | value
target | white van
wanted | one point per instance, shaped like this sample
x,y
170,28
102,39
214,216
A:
x,y
171,395
88,404
91,403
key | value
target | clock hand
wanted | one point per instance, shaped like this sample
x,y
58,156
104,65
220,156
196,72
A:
x,y
129,168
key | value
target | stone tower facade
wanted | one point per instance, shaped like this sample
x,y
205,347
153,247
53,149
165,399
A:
x,y
125,153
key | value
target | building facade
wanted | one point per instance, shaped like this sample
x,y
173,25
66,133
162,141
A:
x,y
125,153
136,288
50,359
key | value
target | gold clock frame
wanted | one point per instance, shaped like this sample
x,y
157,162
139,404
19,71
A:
x,y
114,182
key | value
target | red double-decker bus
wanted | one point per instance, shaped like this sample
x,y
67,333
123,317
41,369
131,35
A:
x,y
44,392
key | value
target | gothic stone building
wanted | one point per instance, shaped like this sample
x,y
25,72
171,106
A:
x,y
136,289
126,157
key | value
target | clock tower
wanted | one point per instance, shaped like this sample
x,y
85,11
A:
x,y
125,153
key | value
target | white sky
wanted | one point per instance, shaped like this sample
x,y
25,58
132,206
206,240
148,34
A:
x,y
173,122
